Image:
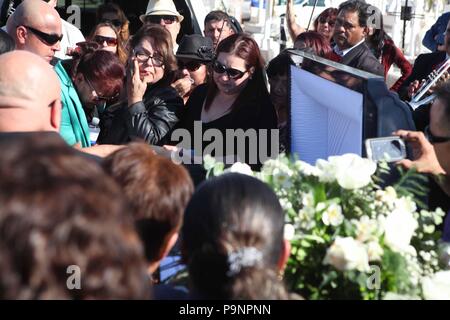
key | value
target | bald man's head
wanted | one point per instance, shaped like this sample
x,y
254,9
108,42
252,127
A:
x,y
36,27
30,93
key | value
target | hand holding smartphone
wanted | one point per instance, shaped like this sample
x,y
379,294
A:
x,y
390,149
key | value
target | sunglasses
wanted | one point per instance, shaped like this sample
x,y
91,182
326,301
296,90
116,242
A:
x,y
157,61
50,39
190,65
324,20
111,42
157,19
115,22
232,73
99,98
434,139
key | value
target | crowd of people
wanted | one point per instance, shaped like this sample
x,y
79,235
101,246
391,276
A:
x,y
116,206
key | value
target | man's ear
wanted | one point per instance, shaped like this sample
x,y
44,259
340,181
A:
x,y
284,257
21,34
55,114
366,31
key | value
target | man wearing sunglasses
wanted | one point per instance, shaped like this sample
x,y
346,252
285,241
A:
x,y
164,13
431,151
36,27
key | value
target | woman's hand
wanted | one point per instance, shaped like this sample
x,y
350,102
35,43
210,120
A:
x,y
183,86
135,86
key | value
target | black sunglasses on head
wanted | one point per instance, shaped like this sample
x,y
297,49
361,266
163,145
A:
x,y
434,139
50,39
115,22
189,65
157,19
232,73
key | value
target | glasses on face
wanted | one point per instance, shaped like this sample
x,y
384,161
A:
x,y
157,61
50,39
157,19
99,98
189,65
115,22
232,73
434,139
324,20
111,42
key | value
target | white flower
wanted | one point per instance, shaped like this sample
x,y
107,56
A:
x,y
307,199
333,215
405,204
242,168
347,254
305,218
289,232
387,196
366,228
437,287
374,251
352,171
327,171
397,296
399,227
307,169
285,203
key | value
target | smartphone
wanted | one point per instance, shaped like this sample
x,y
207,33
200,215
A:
x,y
388,149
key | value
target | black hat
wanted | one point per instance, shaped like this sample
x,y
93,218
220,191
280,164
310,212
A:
x,y
195,47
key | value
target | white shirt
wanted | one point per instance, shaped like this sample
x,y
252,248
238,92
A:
x,y
71,36
345,51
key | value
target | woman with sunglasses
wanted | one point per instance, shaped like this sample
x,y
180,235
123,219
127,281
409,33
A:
x,y
150,109
236,98
109,39
194,57
91,78
113,14
323,24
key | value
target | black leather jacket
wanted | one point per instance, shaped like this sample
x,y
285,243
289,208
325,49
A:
x,y
151,119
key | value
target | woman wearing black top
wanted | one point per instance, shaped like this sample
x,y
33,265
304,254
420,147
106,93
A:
x,y
150,111
236,98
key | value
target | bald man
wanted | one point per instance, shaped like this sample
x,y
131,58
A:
x,y
36,27
30,100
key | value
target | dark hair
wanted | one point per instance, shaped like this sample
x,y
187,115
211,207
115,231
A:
x,y
279,65
361,7
246,48
114,8
99,66
377,40
157,190
163,45
59,209
121,53
443,94
316,43
217,15
329,14
231,214
7,43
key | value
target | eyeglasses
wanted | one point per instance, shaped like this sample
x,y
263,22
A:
x,y
434,139
99,98
190,65
324,20
157,61
232,73
115,22
50,39
157,19
111,42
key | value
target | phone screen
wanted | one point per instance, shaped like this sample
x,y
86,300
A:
x,y
388,149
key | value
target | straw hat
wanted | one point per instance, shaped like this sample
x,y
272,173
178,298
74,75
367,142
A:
x,y
161,7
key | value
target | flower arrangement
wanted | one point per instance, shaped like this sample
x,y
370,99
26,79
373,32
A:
x,y
351,238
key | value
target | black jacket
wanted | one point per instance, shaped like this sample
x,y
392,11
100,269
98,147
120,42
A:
x,y
363,59
150,120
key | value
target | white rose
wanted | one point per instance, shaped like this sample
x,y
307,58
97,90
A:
x,y
289,232
437,287
333,215
374,251
242,168
347,254
352,171
399,227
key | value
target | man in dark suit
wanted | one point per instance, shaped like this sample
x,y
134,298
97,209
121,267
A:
x,y
423,66
349,35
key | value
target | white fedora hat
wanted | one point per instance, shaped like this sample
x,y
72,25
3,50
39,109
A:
x,y
161,7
